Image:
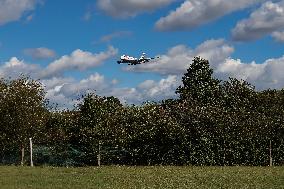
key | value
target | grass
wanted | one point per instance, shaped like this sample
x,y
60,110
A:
x,y
141,177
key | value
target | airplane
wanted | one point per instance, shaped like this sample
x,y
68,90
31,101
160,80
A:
x,y
134,61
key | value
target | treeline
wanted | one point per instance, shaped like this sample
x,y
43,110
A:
x,y
212,122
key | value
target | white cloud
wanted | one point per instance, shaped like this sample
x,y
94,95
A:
x,y
114,81
118,34
148,90
89,11
263,21
268,74
263,75
56,82
12,10
65,91
178,58
130,8
278,36
15,67
92,83
40,53
193,13
238,69
88,15
52,87
30,18
62,90
78,60
165,88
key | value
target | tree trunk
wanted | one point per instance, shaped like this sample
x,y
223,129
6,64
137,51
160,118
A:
x,y
22,155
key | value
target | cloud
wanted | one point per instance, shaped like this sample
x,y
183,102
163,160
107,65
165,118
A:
x,y
263,21
87,16
130,8
148,90
193,13
165,88
89,11
62,90
55,83
78,60
109,37
278,36
268,74
178,58
118,34
65,91
237,69
53,86
263,75
15,67
30,18
40,53
13,10
90,84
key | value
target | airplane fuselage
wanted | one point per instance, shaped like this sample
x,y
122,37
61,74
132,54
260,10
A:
x,y
133,62
125,59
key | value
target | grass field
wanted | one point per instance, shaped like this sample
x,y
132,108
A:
x,y
142,177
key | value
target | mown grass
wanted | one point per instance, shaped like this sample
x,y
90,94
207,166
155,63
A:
x,y
141,177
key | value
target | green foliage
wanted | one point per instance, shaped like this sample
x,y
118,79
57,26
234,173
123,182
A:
x,y
212,123
198,84
22,108
96,125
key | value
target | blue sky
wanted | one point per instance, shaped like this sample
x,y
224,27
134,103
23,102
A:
x,y
72,45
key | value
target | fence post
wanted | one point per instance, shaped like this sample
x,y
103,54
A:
x,y
99,154
31,149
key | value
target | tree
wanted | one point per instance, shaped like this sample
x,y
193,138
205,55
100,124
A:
x,y
200,97
96,125
271,128
199,86
238,121
5,145
23,111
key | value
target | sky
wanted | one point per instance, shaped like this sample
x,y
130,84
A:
x,y
72,46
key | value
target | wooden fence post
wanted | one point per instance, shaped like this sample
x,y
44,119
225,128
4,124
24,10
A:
x,y
31,149
99,154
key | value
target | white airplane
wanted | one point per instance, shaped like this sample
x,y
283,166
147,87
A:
x,y
134,61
